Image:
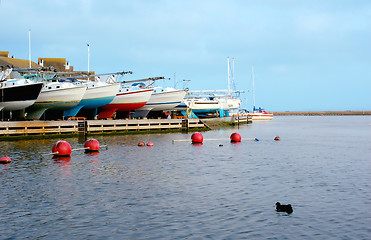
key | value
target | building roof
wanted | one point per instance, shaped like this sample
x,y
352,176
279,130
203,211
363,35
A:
x,y
60,64
17,63
4,53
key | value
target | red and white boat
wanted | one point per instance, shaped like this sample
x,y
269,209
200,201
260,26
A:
x,y
260,114
127,99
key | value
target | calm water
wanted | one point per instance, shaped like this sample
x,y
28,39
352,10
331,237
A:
x,y
322,166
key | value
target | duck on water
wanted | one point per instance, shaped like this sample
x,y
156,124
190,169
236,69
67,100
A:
x,y
283,208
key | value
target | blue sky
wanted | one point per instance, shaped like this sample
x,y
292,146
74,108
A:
x,y
307,55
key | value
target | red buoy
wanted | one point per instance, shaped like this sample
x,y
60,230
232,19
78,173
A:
x,y
235,137
91,145
5,160
61,148
150,144
141,144
277,138
197,137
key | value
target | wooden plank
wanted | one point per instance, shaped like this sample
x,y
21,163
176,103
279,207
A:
x,y
58,127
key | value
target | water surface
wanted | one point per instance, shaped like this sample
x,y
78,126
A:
x,y
322,166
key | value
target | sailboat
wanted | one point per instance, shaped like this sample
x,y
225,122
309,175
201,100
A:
x,y
98,94
162,99
258,113
55,96
17,93
214,103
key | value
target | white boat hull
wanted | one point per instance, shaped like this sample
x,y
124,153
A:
x,y
16,105
164,101
60,98
56,99
203,105
261,116
217,103
230,103
101,91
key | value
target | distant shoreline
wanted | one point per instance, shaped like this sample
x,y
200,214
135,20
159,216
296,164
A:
x,y
322,113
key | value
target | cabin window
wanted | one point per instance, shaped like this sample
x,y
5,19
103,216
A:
x,y
58,86
49,87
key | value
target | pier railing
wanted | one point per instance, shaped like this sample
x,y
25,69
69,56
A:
x,y
94,126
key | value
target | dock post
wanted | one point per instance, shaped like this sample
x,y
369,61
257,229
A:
x,y
249,119
81,127
185,124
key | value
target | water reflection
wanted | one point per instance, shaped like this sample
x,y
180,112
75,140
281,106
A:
x,y
64,164
94,160
194,191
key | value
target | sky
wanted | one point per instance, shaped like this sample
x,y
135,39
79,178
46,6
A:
x,y
309,55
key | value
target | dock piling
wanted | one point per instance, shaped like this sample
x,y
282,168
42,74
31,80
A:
x,y
81,127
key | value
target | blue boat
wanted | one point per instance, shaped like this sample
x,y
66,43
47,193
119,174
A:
x,y
97,95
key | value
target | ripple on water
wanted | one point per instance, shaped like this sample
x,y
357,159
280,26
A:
x,y
182,191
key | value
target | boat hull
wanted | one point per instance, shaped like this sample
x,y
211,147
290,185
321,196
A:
x,y
56,99
19,97
125,102
203,105
94,98
216,104
164,101
260,116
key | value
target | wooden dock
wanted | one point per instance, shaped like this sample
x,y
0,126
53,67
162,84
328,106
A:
x,y
242,119
28,128
233,119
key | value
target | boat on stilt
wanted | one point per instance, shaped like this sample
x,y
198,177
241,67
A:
x,y
98,94
162,99
212,103
215,103
58,96
127,99
17,94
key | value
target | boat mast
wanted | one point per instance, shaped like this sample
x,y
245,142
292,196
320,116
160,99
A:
x,y
233,84
88,57
229,76
29,48
253,86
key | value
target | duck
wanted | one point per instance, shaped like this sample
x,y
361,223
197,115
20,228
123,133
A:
x,y
283,208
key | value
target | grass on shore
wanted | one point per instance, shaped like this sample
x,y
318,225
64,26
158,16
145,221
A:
x,y
321,113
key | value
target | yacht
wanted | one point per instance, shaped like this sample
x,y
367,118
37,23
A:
x,y
55,95
127,99
162,99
